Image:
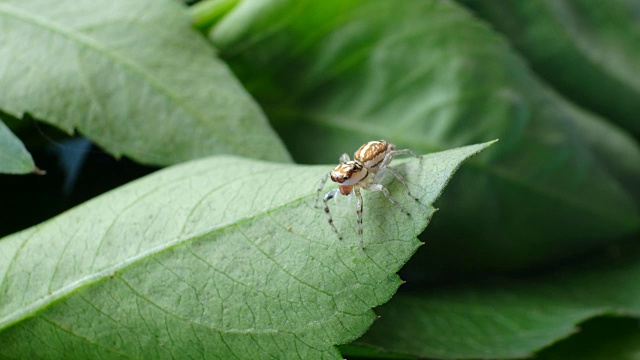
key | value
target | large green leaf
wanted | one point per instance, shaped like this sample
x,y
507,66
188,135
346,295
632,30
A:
x,y
427,75
130,75
510,319
219,258
588,49
14,158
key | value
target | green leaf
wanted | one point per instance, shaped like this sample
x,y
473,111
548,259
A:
x,y
589,50
14,157
219,258
428,75
509,319
132,76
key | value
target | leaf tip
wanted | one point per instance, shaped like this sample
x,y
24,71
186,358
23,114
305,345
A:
x,y
38,171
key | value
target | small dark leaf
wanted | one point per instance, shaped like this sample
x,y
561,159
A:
x,y
14,157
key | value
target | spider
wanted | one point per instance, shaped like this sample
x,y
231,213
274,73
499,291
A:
x,y
370,163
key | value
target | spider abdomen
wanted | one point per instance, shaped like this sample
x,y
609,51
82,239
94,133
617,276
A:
x,y
371,154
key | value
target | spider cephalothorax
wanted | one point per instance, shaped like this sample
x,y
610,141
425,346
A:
x,y
347,174
371,160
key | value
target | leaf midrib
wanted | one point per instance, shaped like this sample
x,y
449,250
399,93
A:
x,y
96,277
35,306
76,37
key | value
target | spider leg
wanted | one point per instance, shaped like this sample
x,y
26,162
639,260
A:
x,y
385,191
344,158
387,158
356,189
400,178
330,195
320,187
384,166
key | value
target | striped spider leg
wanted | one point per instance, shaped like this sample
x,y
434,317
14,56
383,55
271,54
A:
x,y
370,162
376,156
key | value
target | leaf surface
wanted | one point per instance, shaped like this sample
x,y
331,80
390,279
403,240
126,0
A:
x,y
14,157
219,258
130,75
427,75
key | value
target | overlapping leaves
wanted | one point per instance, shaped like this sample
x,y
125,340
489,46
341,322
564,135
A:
x,y
510,319
130,75
429,76
331,75
219,258
586,49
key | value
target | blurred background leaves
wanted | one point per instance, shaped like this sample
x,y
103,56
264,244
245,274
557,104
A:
x,y
562,187
428,76
588,50
557,81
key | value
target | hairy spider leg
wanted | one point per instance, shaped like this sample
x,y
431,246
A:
x,y
387,158
356,189
330,195
385,191
320,187
384,166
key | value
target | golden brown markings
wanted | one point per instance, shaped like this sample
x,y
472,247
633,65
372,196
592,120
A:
x,y
371,153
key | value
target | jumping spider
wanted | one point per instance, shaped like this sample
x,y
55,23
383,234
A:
x,y
373,159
